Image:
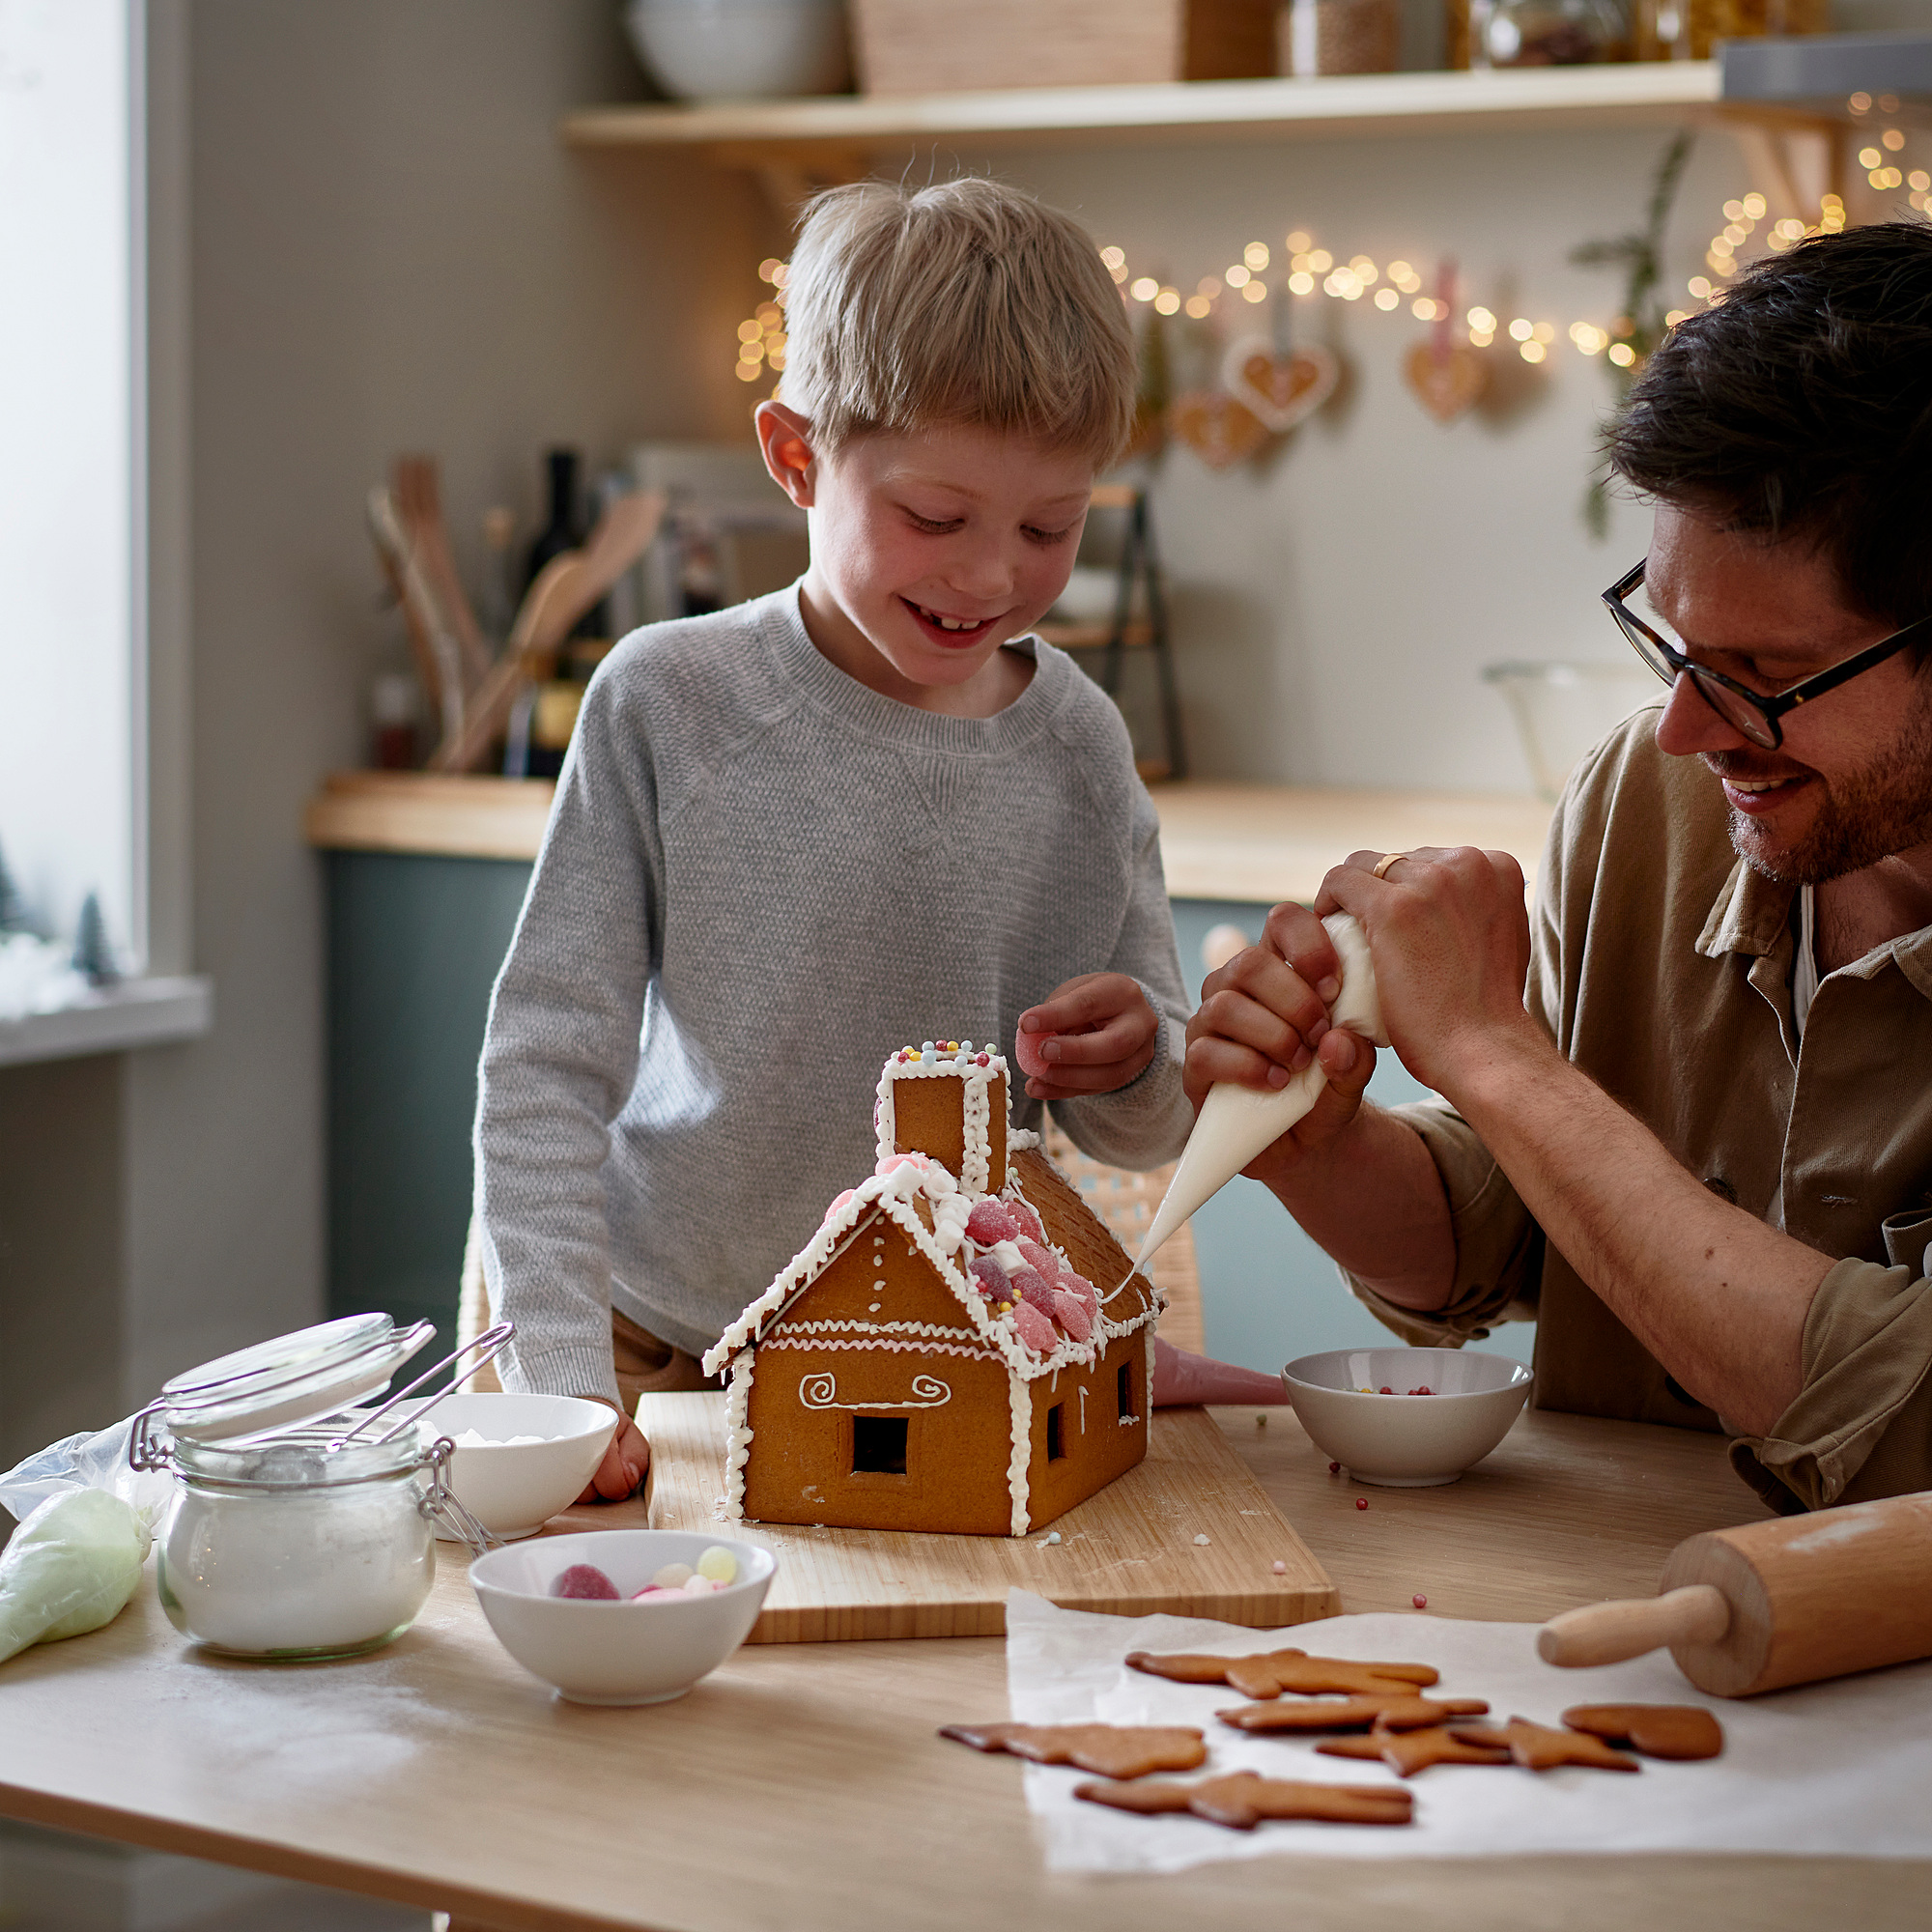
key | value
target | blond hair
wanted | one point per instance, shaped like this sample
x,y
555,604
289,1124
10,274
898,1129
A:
x,y
963,303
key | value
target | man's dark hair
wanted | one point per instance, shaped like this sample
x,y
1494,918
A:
x,y
1801,406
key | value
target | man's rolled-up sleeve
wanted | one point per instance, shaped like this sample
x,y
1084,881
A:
x,y
1862,1424
1498,1246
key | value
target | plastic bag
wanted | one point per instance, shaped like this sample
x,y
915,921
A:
x,y
69,1568
85,1461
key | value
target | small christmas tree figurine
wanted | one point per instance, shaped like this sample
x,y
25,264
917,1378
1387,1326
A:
x,y
93,956
13,910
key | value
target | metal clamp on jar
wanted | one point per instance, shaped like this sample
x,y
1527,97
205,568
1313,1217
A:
x,y
291,1538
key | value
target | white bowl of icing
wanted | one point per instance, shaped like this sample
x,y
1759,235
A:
x,y
514,1486
1406,1441
633,1651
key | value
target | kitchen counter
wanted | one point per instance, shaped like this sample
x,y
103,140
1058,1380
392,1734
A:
x,y
1248,842
802,1785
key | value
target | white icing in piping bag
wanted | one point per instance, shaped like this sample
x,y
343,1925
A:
x,y
1237,1123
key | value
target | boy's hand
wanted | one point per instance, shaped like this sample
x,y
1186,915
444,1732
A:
x,y
623,1467
1091,1036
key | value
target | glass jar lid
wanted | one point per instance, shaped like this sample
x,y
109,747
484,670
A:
x,y
288,1381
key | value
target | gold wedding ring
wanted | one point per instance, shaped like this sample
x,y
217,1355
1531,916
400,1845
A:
x,y
1387,860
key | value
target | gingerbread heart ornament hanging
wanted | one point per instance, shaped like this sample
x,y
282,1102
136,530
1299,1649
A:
x,y
1278,386
1449,377
1220,430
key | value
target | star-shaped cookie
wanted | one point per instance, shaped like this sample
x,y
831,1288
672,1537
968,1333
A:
x,y
1352,1714
1111,1750
1540,1748
1406,1752
1656,1730
1268,1673
1242,1800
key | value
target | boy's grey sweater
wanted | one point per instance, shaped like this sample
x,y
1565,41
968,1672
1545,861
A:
x,y
760,879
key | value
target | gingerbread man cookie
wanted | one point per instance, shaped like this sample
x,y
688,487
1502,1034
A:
x,y
1656,1730
1243,1798
1269,1673
1540,1748
1352,1713
1112,1750
1406,1752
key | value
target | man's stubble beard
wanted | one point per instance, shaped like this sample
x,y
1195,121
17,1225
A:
x,y
1882,808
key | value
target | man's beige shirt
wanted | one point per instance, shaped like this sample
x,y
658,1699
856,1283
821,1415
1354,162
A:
x,y
1661,966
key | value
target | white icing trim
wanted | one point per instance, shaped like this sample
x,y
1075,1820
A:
x,y
1019,1407
1021,1139
843,1326
821,1391
975,1106
885,1345
737,1433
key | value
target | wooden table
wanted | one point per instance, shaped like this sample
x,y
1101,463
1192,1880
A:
x,y
800,1786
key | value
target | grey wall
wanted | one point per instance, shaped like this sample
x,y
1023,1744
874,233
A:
x,y
388,250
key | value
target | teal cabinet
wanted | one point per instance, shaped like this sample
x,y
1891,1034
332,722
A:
x,y
415,941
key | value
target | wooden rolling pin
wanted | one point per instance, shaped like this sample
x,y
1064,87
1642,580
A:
x,y
1775,1604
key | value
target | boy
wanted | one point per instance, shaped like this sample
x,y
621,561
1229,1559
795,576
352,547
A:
x,y
794,834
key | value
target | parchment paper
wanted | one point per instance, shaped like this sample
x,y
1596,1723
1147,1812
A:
x,y
1843,1768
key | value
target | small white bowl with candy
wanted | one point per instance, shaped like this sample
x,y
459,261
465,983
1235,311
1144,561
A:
x,y
623,1616
521,1458
1406,1418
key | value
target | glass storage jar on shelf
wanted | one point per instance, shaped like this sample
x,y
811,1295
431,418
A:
x,y
1690,29
1546,33
290,1539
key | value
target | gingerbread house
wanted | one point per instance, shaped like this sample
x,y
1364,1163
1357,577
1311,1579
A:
x,y
962,1345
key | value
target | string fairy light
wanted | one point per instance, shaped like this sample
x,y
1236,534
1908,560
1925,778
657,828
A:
x,y
1388,286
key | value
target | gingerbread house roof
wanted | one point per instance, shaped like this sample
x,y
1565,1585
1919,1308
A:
x,y
932,1206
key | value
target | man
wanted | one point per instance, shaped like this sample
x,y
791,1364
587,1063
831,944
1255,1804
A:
x,y
1698,1143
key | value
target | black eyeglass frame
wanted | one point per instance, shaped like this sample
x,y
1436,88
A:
x,y
1769,708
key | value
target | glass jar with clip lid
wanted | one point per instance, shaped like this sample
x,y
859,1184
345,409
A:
x,y
298,1531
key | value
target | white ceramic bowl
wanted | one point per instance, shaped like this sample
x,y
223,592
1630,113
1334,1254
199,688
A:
x,y
599,1651
1405,1441
741,49
514,1488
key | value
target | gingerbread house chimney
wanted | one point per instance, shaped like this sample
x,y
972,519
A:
x,y
948,1100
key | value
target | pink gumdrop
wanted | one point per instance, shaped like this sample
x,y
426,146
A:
x,y
1071,1312
990,1222
1081,1289
1025,1050
1033,1287
1037,1256
584,1580
893,1160
1035,1329
649,1590
837,1202
991,1279
1027,1220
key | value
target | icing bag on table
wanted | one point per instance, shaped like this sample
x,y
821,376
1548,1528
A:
x,y
1181,1378
1237,1123
71,1566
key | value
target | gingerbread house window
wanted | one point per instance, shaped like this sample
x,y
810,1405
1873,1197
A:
x,y
1056,1434
1124,1385
879,1445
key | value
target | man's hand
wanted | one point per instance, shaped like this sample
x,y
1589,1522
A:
x,y
1264,1017
622,1469
1090,1036
1451,944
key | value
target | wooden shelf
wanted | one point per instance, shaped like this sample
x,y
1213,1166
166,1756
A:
x,y
1093,637
1616,94
422,811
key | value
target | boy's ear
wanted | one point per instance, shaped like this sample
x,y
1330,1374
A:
x,y
786,441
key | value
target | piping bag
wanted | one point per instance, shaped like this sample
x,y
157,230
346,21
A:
x,y
1236,1123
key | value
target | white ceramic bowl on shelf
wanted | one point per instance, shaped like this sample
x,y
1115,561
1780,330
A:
x,y
596,1651
741,49
1406,1441
514,1488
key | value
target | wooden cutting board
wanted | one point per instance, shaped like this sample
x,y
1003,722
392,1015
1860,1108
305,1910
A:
x,y
1130,1550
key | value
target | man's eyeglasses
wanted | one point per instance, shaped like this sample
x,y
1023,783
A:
x,y
1752,713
